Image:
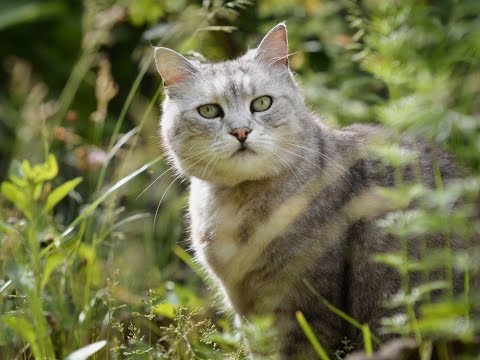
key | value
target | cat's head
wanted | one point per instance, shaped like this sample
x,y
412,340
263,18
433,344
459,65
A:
x,y
233,121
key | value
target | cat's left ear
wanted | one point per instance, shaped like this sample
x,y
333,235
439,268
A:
x,y
173,67
273,49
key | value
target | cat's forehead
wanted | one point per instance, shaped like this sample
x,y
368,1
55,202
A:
x,y
235,78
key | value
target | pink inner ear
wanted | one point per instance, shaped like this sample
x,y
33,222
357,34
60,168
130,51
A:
x,y
172,66
173,77
274,49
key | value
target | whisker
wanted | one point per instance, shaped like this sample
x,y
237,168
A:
x,y
153,182
340,168
214,164
286,163
168,187
302,157
274,60
208,164
170,168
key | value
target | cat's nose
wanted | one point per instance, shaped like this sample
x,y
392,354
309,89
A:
x,y
241,133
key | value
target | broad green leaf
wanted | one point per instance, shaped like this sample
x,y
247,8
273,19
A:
x,y
86,351
52,263
60,192
46,171
27,169
166,309
19,181
37,191
443,310
15,194
26,331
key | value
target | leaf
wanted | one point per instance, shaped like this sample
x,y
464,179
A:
x,y
394,260
60,192
166,309
187,258
13,193
444,310
86,351
24,328
46,171
7,228
52,262
28,12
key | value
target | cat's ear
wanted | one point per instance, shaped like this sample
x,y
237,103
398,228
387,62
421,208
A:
x,y
172,66
273,49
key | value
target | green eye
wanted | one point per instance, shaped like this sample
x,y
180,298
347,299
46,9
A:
x,y
261,104
210,111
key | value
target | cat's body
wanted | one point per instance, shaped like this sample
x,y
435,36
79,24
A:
x,y
281,208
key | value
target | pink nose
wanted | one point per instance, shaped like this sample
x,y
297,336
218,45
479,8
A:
x,y
241,133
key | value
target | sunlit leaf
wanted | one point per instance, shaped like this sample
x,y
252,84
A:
x,y
47,170
26,330
60,192
53,261
166,310
16,195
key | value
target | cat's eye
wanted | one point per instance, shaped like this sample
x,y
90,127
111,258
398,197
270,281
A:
x,y
262,103
210,111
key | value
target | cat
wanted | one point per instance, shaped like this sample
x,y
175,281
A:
x,y
281,211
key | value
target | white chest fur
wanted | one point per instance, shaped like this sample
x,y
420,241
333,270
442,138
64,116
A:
x,y
217,222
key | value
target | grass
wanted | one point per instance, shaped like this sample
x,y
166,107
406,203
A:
x,y
88,270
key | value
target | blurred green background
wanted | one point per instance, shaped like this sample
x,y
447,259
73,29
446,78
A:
x,y
110,261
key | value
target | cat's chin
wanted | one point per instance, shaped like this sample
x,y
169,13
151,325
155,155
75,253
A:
x,y
243,154
238,171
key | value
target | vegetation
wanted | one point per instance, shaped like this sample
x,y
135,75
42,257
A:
x,y
93,252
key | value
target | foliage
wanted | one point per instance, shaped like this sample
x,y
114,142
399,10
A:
x,y
81,263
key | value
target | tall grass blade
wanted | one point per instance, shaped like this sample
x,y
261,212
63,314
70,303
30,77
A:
x,y
86,351
307,330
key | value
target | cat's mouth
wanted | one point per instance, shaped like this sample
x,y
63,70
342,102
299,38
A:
x,y
243,149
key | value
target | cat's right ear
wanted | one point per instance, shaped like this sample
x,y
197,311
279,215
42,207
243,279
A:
x,y
172,66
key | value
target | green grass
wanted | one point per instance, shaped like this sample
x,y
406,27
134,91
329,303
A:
x,y
90,262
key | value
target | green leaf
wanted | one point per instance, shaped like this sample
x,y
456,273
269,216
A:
x,y
53,262
86,351
394,260
187,258
7,228
444,310
60,192
25,329
27,12
46,171
166,309
15,194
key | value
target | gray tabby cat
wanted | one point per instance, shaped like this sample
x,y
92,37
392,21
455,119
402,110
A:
x,y
281,211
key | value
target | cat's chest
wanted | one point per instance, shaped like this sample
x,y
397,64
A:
x,y
223,229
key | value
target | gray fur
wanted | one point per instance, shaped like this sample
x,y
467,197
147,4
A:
x,y
297,210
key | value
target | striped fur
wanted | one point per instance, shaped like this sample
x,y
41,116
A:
x,y
291,220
